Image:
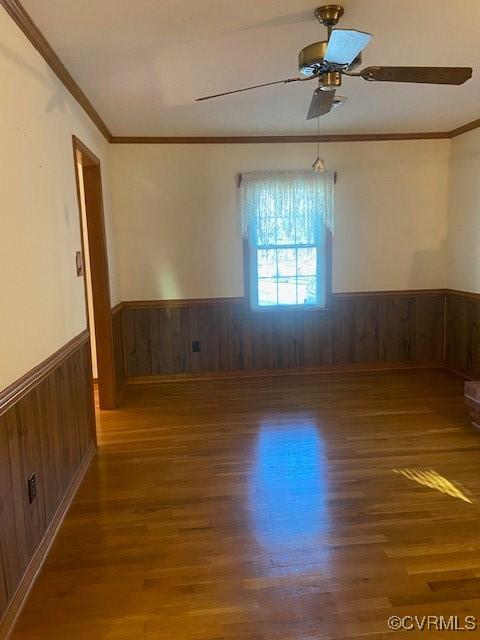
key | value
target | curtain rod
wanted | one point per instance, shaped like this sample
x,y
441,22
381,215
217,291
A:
x,y
240,178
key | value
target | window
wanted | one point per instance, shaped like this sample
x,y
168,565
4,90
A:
x,y
287,221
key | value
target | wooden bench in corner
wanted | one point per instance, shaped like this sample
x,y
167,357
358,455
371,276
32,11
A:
x,y
472,400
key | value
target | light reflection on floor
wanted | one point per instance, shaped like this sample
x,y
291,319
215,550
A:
x,y
288,486
432,479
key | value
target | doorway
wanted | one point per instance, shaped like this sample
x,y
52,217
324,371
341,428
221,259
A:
x,y
92,265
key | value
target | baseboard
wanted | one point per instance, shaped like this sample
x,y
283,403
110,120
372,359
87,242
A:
x,y
261,373
119,393
457,372
28,580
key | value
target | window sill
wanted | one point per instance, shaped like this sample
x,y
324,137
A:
x,y
290,310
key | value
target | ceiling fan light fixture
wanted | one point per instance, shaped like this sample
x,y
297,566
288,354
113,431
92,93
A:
x,y
338,101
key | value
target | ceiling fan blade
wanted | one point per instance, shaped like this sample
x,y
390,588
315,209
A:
x,y
281,21
256,86
322,102
427,75
344,45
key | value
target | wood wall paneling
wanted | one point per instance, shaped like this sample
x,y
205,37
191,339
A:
x,y
463,333
13,527
388,328
49,429
118,348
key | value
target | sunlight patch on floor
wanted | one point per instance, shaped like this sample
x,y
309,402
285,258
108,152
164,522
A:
x,y
430,478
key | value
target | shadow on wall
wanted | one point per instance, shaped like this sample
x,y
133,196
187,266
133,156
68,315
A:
x,y
57,101
464,213
181,246
428,266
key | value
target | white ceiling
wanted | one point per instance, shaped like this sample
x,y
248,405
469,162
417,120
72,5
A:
x,y
143,62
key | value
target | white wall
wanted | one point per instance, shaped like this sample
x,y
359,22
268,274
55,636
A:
x,y
43,303
178,231
464,213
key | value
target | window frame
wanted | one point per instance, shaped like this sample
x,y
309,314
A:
x,y
249,260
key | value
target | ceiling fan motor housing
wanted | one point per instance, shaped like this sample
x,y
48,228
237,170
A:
x,y
310,58
311,63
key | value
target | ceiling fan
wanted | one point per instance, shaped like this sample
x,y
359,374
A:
x,y
339,55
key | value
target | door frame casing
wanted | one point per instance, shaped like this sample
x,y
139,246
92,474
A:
x,y
97,246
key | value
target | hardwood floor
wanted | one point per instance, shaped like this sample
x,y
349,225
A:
x,y
296,507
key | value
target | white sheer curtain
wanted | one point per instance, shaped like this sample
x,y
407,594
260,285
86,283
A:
x,y
301,199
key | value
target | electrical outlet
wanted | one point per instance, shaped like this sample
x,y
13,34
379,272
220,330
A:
x,y
195,346
32,487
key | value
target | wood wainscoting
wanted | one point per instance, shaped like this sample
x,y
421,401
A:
x,y
118,348
382,328
463,333
47,427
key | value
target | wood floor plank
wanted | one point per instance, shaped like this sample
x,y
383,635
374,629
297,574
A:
x,y
294,507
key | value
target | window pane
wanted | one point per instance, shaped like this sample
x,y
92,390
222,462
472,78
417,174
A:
x,y
267,291
287,251
287,290
287,262
307,290
266,263
307,262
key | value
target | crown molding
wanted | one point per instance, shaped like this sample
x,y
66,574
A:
x,y
340,137
469,126
23,20
25,23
